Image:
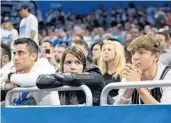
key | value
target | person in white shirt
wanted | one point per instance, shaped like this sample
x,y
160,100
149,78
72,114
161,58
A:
x,y
28,68
28,25
8,33
165,40
145,52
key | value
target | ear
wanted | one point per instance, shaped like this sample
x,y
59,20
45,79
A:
x,y
34,56
156,56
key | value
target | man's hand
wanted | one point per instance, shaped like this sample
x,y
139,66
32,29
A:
x,y
4,77
131,73
9,86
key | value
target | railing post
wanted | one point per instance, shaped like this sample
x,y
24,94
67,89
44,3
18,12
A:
x,y
84,88
140,84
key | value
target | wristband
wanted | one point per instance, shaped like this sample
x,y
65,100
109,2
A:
x,y
124,99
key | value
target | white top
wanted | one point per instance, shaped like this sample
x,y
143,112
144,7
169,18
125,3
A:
x,y
9,35
42,66
26,25
166,91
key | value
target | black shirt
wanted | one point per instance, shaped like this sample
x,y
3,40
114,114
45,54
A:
x,y
109,79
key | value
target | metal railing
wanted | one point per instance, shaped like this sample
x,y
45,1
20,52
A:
x,y
84,88
142,84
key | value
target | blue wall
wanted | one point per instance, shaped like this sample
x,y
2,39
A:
x,y
98,114
88,6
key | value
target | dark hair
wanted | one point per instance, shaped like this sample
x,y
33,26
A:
x,y
6,50
97,43
24,6
32,46
77,52
47,41
166,34
81,43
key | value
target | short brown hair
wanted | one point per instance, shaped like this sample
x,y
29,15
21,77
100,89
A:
x,y
146,42
77,52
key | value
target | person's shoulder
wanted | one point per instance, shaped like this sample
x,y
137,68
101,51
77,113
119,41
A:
x,y
44,65
91,67
14,30
31,16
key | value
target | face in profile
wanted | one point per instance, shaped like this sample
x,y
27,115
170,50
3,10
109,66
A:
x,y
23,58
72,64
96,51
59,52
144,59
108,52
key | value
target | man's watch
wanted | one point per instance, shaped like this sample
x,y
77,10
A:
x,y
9,76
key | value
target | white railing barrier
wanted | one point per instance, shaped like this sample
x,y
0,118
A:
x,y
123,85
84,88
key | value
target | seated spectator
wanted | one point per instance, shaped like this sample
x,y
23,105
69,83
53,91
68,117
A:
x,y
145,55
135,32
84,47
28,68
5,67
96,51
127,53
74,71
63,38
47,51
112,61
165,40
59,50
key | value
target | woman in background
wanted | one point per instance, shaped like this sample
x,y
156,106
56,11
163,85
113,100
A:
x,y
112,61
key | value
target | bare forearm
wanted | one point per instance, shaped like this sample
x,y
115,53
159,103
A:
x,y
146,96
127,95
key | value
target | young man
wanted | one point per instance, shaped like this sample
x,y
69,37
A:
x,y
28,25
28,68
145,52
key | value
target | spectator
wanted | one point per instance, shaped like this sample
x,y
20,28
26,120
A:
x,y
28,25
112,61
47,51
8,33
74,71
160,18
135,32
63,38
5,67
28,68
96,51
147,28
59,50
143,49
165,41
128,36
